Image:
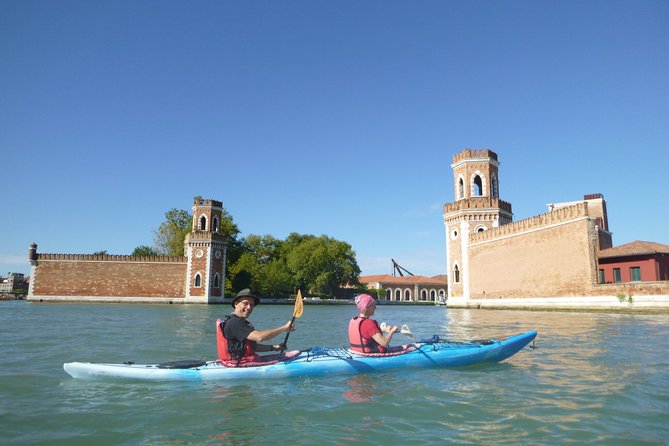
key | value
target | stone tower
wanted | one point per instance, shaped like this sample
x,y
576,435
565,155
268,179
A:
x,y
205,248
477,207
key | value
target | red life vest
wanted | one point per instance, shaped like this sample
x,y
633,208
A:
x,y
358,343
222,344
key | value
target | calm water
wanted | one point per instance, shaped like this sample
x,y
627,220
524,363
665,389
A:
x,y
594,379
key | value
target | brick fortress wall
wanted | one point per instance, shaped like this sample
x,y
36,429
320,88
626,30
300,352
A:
x,y
109,276
544,256
549,255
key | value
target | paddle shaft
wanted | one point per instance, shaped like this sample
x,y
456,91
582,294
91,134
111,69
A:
x,y
287,334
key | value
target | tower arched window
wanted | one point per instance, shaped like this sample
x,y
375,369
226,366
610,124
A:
x,y
214,226
478,186
203,223
495,187
198,280
456,274
217,281
461,189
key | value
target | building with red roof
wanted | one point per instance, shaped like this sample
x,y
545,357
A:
x,y
637,261
409,288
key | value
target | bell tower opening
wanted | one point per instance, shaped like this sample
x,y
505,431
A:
x,y
493,184
478,187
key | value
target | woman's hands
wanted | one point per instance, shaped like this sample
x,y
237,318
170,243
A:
x,y
387,328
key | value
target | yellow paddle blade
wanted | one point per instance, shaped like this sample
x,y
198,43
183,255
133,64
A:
x,y
299,308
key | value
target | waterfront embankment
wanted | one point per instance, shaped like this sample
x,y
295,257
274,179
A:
x,y
658,304
621,303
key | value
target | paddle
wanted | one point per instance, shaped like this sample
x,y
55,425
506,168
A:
x,y
297,312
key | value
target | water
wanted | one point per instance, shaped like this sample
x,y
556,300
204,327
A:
x,y
595,379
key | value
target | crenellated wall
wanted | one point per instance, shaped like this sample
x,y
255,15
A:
x,y
555,217
477,203
473,154
109,258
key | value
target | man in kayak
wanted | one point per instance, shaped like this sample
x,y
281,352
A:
x,y
240,335
364,333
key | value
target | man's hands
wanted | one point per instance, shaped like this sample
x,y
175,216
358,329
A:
x,y
288,326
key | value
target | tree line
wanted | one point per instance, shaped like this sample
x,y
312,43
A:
x,y
319,266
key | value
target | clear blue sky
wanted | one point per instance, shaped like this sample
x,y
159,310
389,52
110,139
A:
x,y
337,118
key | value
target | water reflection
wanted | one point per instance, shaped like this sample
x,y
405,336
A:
x,y
362,389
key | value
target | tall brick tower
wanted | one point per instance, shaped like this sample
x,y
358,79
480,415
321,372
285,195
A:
x,y
205,248
477,207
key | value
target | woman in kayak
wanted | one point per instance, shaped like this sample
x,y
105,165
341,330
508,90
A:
x,y
365,334
240,340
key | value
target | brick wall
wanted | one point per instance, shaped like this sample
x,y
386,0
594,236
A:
x,y
548,261
105,277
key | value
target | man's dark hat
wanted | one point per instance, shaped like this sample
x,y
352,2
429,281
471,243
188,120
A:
x,y
245,293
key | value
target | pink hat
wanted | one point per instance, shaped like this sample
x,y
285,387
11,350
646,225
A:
x,y
364,301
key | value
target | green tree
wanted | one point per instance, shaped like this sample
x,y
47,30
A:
x,y
144,251
264,248
323,265
230,230
239,280
259,267
246,273
100,253
379,293
228,226
278,281
170,235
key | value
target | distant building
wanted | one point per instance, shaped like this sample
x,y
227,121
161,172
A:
x,y
409,288
14,282
636,261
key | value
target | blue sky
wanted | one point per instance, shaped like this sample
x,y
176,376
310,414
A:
x,y
337,118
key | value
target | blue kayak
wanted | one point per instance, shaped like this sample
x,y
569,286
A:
x,y
316,361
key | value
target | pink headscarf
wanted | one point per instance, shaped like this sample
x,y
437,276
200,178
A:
x,y
364,301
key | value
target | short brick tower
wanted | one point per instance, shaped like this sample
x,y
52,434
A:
x,y
205,248
477,207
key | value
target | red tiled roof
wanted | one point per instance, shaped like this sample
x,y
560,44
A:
x,y
387,278
634,248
